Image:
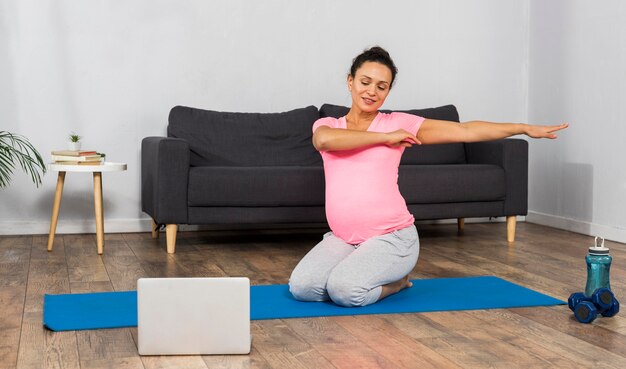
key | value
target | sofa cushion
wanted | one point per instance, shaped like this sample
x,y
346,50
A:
x,y
425,154
446,112
246,139
430,184
256,186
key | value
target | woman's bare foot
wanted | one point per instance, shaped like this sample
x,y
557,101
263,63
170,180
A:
x,y
395,287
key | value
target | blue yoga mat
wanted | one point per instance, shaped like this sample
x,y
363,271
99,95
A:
x,y
119,309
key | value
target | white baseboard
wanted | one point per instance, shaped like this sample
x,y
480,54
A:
x,y
22,227
578,226
519,218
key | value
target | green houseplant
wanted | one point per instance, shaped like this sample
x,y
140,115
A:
x,y
16,149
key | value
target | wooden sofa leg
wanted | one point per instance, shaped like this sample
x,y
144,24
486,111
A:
x,y
510,228
461,223
155,229
170,234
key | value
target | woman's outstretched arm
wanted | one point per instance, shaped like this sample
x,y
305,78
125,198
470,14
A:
x,y
440,131
335,139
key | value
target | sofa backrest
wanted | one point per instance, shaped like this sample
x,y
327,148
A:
x,y
424,154
246,139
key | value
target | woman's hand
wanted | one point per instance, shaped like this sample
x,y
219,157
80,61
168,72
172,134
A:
x,y
401,138
544,131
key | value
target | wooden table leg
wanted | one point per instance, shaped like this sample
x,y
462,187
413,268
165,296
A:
x,y
55,209
97,197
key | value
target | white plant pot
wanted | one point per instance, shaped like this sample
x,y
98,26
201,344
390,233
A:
x,y
75,146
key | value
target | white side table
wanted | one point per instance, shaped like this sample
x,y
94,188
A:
x,y
97,171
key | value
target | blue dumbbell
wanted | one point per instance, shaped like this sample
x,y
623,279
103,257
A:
x,y
614,309
575,298
585,311
603,298
605,301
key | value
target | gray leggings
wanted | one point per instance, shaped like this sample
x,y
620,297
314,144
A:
x,y
353,275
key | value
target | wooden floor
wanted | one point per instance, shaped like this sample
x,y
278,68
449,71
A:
x,y
547,260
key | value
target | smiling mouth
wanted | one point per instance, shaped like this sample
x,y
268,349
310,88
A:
x,y
368,101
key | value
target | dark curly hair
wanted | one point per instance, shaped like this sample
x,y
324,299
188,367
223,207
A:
x,y
374,54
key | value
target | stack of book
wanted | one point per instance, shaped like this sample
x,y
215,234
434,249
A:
x,y
71,157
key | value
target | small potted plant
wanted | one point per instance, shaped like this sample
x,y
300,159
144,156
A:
x,y
74,143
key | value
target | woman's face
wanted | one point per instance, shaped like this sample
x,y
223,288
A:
x,y
370,86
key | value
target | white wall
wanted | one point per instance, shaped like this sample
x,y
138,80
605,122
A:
x,y
112,70
578,75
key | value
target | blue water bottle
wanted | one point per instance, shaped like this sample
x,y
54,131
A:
x,y
598,267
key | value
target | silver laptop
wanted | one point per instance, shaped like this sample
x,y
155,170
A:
x,y
187,316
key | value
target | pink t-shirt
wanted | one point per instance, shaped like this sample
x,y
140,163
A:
x,y
362,195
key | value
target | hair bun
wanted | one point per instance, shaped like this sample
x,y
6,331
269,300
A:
x,y
377,50
374,54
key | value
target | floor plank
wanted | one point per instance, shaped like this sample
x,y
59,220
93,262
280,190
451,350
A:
x,y
14,264
397,347
39,347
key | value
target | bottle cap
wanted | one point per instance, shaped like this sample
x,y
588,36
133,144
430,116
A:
x,y
599,248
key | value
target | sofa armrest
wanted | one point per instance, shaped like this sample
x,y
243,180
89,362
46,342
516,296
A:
x,y
164,179
512,155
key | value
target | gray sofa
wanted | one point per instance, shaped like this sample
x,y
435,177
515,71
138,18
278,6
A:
x,y
261,168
